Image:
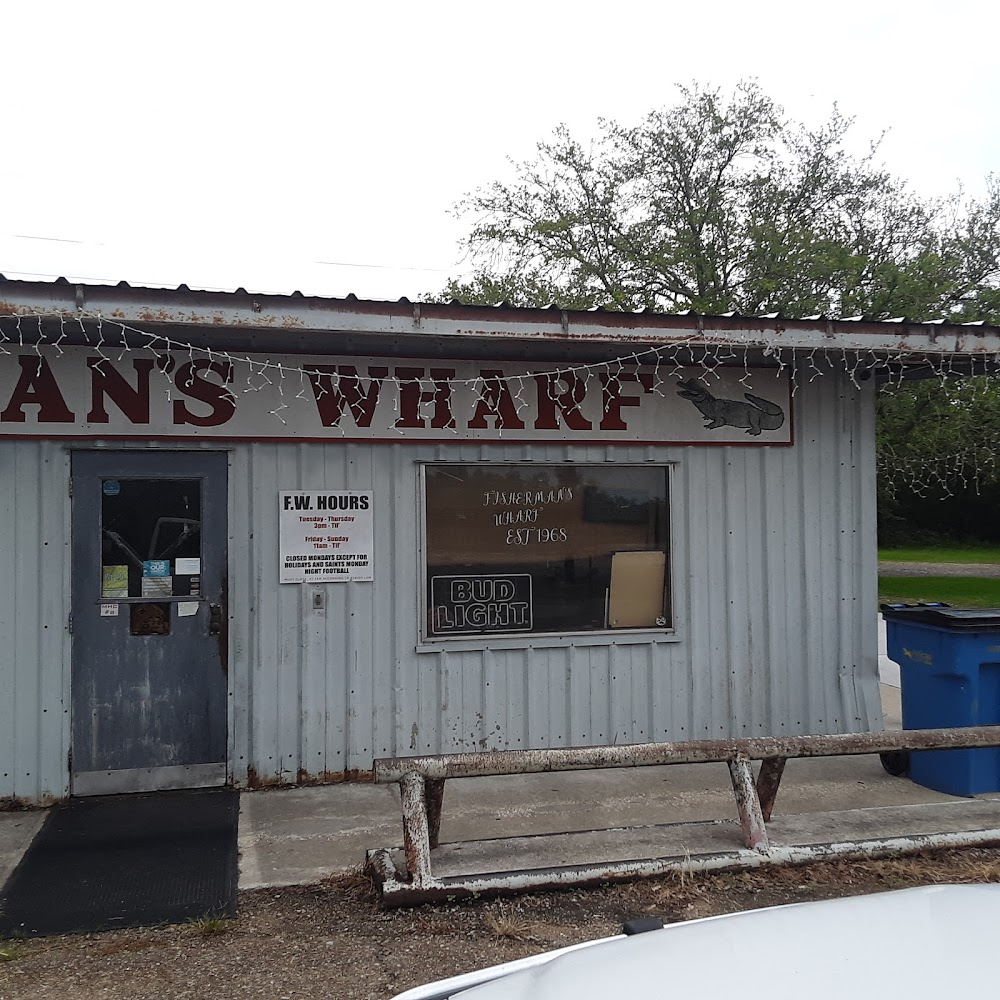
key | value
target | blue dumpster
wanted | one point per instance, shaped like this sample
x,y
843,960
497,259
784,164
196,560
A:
x,y
949,672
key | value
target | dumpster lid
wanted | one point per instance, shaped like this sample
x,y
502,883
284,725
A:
x,y
944,616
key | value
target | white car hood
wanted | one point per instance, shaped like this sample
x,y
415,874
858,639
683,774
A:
x,y
924,943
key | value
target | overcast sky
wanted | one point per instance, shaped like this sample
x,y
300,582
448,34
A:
x,y
321,146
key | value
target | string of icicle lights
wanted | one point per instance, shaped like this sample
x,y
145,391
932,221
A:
x,y
112,339
936,475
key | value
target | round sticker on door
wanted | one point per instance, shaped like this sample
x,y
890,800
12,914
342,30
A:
x,y
111,487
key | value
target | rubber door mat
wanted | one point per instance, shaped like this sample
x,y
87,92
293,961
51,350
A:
x,y
126,861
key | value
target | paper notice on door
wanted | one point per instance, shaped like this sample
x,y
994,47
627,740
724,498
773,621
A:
x,y
185,609
114,581
187,567
157,586
109,610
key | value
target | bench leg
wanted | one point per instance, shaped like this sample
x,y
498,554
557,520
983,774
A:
x,y
767,783
416,834
434,791
747,803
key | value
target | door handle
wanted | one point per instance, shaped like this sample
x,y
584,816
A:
x,y
215,619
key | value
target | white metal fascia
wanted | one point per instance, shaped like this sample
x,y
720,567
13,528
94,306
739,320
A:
x,y
240,310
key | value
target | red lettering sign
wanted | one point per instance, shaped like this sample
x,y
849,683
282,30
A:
x,y
220,400
412,395
567,403
37,385
335,387
106,380
495,400
613,399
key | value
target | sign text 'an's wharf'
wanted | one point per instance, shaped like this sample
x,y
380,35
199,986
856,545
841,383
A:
x,y
140,393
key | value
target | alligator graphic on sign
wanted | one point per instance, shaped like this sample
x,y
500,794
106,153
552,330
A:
x,y
755,415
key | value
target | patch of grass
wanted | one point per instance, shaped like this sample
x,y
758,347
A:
x,y
943,553
846,877
209,926
961,591
355,885
10,952
507,923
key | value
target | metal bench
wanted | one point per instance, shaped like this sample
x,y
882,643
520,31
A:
x,y
422,780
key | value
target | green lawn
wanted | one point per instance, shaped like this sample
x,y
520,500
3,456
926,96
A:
x,y
942,553
961,591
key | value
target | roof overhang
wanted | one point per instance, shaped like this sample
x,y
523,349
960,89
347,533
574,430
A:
x,y
297,323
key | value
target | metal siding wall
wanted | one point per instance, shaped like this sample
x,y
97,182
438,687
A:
x,y
773,571
34,604
864,556
773,568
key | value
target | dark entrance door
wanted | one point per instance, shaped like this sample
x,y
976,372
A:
x,y
149,621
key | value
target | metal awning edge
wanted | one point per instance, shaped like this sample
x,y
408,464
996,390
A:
x,y
139,308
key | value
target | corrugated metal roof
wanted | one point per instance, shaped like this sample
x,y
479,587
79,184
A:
x,y
404,318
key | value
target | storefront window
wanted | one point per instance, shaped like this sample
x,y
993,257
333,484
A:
x,y
535,549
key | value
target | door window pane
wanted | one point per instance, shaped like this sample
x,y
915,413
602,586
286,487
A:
x,y
150,538
545,548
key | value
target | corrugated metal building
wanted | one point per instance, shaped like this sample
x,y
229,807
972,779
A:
x,y
551,538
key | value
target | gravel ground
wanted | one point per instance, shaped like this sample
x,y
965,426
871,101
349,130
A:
x,y
331,941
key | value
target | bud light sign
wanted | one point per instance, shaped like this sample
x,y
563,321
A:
x,y
466,605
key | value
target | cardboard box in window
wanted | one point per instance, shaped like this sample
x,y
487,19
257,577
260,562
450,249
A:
x,y
635,599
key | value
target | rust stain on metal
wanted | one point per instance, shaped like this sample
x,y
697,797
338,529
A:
x,y
239,308
254,780
303,777
351,774
412,860
216,319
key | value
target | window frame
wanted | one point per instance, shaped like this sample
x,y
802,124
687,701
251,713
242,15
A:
x,y
523,640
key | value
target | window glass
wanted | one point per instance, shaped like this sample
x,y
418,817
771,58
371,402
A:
x,y
526,548
150,538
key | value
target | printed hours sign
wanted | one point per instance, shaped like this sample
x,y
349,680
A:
x,y
325,537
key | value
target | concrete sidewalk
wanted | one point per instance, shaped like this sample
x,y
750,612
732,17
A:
x,y
298,835
288,836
